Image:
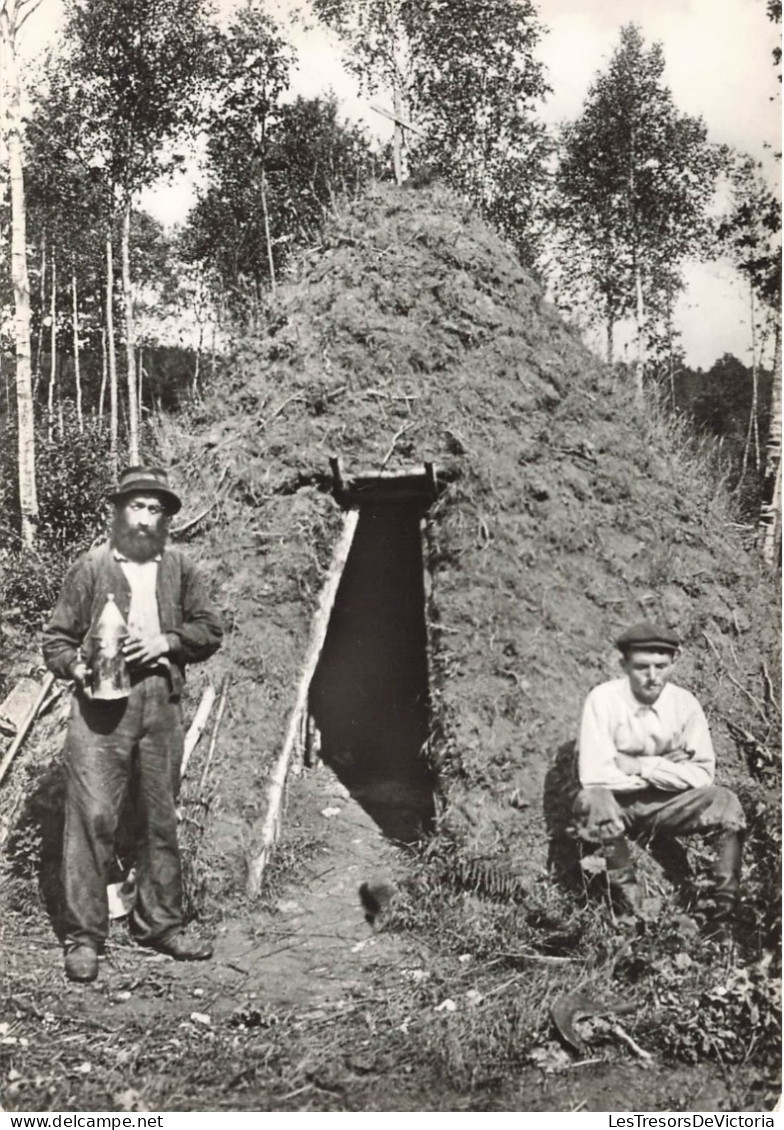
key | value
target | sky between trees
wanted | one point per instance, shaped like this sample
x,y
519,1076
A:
x,y
718,55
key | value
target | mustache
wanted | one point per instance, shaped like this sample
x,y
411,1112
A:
x,y
137,544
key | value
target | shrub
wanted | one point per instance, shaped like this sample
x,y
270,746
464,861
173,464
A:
x,y
73,474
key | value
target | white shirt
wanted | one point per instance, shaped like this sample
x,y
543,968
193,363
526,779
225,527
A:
x,y
613,722
142,577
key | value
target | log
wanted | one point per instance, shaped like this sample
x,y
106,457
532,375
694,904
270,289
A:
x,y
22,731
196,728
216,726
271,824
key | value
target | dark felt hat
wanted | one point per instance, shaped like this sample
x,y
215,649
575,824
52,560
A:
x,y
146,480
648,634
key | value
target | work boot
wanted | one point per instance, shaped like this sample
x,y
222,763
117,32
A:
x,y
721,913
81,962
624,892
182,948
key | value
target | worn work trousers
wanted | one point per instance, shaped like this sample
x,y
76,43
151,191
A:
x,y
103,740
653,813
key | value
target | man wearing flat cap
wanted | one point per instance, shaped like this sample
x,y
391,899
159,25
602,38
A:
x,y
168,621
646,767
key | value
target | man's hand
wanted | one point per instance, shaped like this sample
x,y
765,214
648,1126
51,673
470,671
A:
x,y
82,677
677,755
140,652
628,764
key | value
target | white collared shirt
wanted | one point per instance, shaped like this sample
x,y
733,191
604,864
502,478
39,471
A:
x,y
142,577
613,722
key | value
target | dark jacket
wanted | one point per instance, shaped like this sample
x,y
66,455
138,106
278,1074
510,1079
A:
x,y
188,617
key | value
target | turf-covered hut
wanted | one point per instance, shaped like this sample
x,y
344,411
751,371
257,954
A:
x,y
411,336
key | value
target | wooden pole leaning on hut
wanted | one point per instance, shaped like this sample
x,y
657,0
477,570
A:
x,y
196,728
271,826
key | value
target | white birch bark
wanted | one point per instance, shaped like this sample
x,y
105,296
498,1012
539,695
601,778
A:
x,y
130,343
13,13
77,369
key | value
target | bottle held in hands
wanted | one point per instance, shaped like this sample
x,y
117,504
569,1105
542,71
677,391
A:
x,y
110,678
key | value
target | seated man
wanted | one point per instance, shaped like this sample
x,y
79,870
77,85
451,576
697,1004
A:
x,y
646,766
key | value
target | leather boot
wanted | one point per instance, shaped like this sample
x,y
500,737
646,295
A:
x,y
624,892
726,883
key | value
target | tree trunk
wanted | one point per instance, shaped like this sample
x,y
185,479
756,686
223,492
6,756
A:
x,y
130,344
42,299
77,369
52,349
104,370
752,432
11,120
195,393
267,237
639,365
610,339
140,370
770,512
754,386
111,355
399,158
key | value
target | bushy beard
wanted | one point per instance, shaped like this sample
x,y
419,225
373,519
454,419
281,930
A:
x,y
139,545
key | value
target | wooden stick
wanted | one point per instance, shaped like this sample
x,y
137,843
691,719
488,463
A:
x,y
271,825
616,1029
400,432
216,726
26,724
196,727
398,120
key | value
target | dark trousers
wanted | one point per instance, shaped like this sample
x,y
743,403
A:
x,y
104,739
656,812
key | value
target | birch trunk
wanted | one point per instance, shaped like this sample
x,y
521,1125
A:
x,y
42,299
10,11
752,432
130,344
77,369
770,512
104,370
111,354
140,370
267,236
52,348
639,365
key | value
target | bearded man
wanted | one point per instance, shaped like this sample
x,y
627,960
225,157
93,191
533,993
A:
x,y
171,622
646,766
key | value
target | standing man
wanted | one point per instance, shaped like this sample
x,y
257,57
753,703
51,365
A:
x,y
171,622
646,766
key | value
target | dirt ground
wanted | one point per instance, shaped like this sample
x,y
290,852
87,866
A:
x,y
305,1006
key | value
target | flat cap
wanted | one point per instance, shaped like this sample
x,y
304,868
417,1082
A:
x,y
648,634
146,480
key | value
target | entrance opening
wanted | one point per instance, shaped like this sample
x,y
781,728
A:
x,y
369,696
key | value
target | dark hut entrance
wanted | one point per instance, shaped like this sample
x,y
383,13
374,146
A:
x,y
369,696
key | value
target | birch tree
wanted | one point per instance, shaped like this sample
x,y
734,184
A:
x,y
139,68
635,179
13,16
751,235
379,53
465,85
